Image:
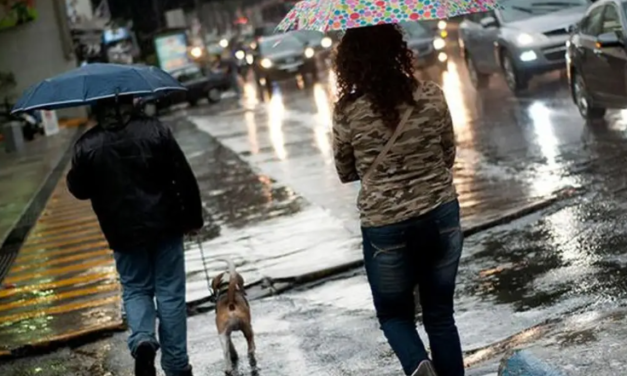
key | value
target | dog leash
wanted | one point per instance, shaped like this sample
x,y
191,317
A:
x,y
204,264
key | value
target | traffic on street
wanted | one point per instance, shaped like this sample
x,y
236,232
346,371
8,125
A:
x,y
536,93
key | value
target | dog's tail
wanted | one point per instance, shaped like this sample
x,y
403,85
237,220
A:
x,y
232,284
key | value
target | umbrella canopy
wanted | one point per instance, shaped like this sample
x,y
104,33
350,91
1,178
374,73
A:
x,y
92,82
332,15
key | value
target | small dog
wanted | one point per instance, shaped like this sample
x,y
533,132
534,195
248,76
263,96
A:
x,y
233,314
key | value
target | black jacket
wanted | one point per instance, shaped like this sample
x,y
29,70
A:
x,y
140,185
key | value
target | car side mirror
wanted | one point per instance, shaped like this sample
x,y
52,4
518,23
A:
x,y
608,40
488,22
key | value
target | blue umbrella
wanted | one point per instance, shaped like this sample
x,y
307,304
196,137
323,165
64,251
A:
x,y
93,82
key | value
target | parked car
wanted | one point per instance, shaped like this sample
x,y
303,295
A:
x,y
597,59
199,86
426,45
523,39
283,57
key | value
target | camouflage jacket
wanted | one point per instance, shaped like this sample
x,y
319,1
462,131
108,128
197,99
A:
x,y
415,177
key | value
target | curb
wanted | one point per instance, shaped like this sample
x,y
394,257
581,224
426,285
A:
x,y
522,363
280,285
15,238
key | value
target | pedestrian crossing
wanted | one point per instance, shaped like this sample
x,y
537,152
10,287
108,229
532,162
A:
x,y
63,283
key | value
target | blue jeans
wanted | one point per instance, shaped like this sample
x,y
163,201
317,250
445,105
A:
x,y
424,251
149,273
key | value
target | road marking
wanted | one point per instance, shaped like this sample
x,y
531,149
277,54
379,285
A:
x,y
45,262
78,281
65,295
67,229
65,251
57,310
62,243
105,261
35,238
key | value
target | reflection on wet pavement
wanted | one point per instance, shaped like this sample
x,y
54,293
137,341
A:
x,y
506,160
265,228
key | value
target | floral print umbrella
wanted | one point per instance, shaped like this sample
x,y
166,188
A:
x,y
330,15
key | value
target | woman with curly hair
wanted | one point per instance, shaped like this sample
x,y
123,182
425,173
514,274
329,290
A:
x,y
395,134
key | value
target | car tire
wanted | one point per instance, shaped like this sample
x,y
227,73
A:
x,y
516,80
479,80
587,109
193,102
214,95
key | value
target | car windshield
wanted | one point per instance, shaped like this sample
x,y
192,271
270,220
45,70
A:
x,y
187,74
278,45
415,30
313,38
518,10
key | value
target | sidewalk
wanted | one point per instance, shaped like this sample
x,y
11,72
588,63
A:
x,y
26,179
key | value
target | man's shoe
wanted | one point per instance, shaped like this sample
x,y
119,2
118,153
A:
x,y
425,369
145,360
187,372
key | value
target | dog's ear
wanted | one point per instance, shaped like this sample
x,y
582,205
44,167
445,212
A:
x,y
240,281
215,282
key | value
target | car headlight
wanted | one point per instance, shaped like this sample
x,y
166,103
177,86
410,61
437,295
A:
x,y
326,42
442,25
309,52
240,55
439,43
266,63
250,59
524,39
224,43
196,52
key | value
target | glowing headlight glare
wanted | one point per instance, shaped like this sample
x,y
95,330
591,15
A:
x,y
250,59
524,39
224,43
442,57
240,55
196,52
528,56
439,43
266,63
442,25
309,52
326,42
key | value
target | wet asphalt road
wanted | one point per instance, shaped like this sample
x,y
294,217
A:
x,y
553,280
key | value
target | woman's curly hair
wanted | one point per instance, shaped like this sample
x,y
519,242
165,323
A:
x,y
375,62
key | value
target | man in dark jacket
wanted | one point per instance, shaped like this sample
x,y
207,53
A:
x,y
146,198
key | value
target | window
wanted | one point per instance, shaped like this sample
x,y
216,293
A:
x,y
611,20
592,24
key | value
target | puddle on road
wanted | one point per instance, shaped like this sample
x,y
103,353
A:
x,y
234,194
575,252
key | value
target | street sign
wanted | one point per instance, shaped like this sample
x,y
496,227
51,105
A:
x,y
50,122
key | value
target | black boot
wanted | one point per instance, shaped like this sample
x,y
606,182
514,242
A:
x,y
188,372
145,360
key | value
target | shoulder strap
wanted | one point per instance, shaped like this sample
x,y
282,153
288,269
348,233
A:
x,y
390,143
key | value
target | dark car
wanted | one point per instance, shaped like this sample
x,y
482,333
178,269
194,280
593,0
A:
x,y
597,59
283,57
199,86
428,47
